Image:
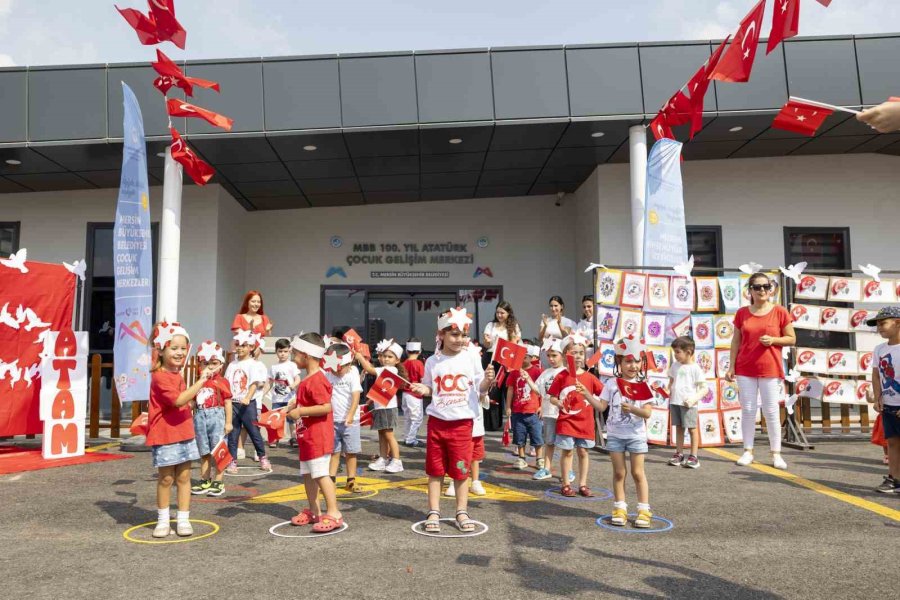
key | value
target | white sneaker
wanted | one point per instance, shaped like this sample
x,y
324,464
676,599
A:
x,y
477,488
162,530
778,462
378,465
241,454
184,528
521,463
395,466
745,459
451,489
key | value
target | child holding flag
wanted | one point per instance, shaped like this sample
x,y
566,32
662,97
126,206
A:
x,y
346,388
212,418
384,418
523,406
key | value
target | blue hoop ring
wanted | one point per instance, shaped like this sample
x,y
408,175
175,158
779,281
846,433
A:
x,y
601,523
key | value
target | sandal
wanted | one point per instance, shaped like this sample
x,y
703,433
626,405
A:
x,y
305,517
567,491
353,487
467,525
327,523
585,491
433,525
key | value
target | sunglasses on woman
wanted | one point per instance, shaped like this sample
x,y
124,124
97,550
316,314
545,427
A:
x,y
761,287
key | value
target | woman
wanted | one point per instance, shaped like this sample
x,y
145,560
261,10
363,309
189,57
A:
x,y
556,326
503,326
586,325
252,316
761,330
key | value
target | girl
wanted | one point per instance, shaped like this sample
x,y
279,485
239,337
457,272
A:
x,y
556,326
384,418
629,400
212,418
170,426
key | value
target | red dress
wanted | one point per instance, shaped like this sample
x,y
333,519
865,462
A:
x,y
241,322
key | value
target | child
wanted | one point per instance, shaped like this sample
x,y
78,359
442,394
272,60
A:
x,y
576,397
886,387
688,385
170,428
346,388
626,430
458,382
384,418
246,376
284,377
523,405
549,411
212,419
412,403
476,487
315,435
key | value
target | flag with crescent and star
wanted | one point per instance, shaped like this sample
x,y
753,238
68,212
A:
x,y
509,354
736,64
785,22
386,387
221,455
637,391
801,118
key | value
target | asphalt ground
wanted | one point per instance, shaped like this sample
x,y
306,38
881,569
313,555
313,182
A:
x,y
737,532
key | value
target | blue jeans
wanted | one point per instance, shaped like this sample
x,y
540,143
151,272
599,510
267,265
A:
x,y
245,415
525,425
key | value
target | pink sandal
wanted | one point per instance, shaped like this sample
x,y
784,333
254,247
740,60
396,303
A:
x,y
327,523
305,517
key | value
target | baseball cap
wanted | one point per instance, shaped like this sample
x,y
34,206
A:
x,y
886,312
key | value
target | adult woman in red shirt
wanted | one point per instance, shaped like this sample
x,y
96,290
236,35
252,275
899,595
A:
x,y
760,332
252,316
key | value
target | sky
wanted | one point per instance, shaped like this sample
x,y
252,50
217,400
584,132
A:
x,y
57,32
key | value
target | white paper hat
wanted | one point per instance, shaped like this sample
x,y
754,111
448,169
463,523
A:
x,y
165,332
455,317
413,347
389,346
301,345
210,350
631,346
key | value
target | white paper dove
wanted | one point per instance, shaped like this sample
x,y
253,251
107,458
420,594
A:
x,y
6,368
792,376
31,373
685,268
593,266
793,271
871,270
789,403
105,328
7,319
16,261
34,321
785,352
78,267
750,268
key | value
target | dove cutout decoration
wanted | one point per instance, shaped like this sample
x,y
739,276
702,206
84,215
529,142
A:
x,y
750,268
790,402
16,261
593,266
872,271
793,271
684,269
78,268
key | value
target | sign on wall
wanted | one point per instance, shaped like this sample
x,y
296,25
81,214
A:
x,y
408,259
63,399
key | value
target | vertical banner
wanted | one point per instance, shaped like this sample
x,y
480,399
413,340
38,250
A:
x,y
63,398
133,261
665,237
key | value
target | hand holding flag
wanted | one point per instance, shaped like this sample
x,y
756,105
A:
x,y
221,455
385,387
509,354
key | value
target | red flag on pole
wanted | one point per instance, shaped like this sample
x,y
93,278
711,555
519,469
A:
x,y
139,425
180,108
698,85
198,170
634,390
800,117
785,22
824,2
386,386
736,64
660,127
171,74
158,25
678,109
508,354
352,339
571,369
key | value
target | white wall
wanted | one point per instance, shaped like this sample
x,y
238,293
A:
x,y
586,200
231,263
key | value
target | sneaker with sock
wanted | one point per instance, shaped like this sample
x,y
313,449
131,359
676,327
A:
x,y
745,459
889,486
521,464
184,528
162,528
217,488
241,455
394,466
619,515
532,452
451,489
541,474
676,459
378,464
201,488
778,462
264,464
232,468
477,488
691,462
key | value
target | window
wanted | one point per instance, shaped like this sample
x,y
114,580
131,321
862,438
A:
x,y
9,238
705,244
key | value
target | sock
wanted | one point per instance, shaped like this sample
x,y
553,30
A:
x,y
183,516
162,515
334,479
623,505
540,463
642,506
350,480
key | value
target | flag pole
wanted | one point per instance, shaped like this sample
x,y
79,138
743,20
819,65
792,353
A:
x,y
824,105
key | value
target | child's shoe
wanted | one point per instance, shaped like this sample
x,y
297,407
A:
x,y
352,487
256,458
541,474
885,460
778,462
217,488
691,462
477,488
232,468
451,489
532,452
745,459
889,486
201,488
241,454
619,517
676,459
184,528
521,464
264,464
162,530
378,465
643,519
394,466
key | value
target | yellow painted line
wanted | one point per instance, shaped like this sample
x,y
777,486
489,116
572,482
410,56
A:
x,y
874,507
102,447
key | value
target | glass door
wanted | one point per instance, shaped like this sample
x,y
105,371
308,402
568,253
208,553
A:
x,y
402,315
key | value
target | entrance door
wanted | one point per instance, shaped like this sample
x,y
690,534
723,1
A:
x,y
402,315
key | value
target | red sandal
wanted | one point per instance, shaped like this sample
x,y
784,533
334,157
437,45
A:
x,y
305,517
585,491
567,491
327,523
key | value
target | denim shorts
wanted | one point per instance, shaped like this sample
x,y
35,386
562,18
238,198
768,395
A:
x,y
346,438
631,445
549,431
527,425
890,420
567,442
169,455
209,428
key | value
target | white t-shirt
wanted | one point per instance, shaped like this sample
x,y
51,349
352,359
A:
x,y
553,330
454,382
496,330
544,381
684,382
241,374
887,360
282,376
393,401
342,389
620,425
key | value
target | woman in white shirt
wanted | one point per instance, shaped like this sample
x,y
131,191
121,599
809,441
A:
x,y
556,326
586,325
503,326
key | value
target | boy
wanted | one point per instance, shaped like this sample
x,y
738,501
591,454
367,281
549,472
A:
x,y
458,382
346,388
549,412
886,387
688,385
315,435
212,419
412,403
284,377
246,376
523,405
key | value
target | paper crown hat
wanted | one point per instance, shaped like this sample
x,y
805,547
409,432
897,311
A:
x,y
245,336
332,362
554,345
164,332
455,318
210,350
573,339
389,346
413,346
631,346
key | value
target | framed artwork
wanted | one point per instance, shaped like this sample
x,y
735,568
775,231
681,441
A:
x,y
634,287
858,318
863,391
731,423
687,437
707,294
806,316
658,291
607,322
630,323
662,356
702,330
660,388
730,289
607,362
679,324
845,289
729,397
883,292
843,362
864,364
812,360
812,287
609,285
658,426
809,387
711,400
682,297
839,391
723,330
655,329
745,291
834,319
710,426
706,360
723,362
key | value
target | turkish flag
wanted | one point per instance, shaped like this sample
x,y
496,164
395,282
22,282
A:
x,y
571,369
139,425
638,391
824,2
180,108
221,455
800,117
385,387
365,416
505,439
785,22
171,74
736,64
364,350
678,109
273,421
352,338
198,170
509,355
593,360
698,85
158,25
660,127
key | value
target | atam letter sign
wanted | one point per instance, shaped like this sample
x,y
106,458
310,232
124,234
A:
x,y
64,393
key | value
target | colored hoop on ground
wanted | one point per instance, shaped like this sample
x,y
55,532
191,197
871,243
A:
x,y
193,538
419,528
207,499
258,472
602,522
272,529
554,494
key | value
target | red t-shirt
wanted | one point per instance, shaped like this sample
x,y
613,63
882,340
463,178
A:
x,y
415,370
524,400
576,417
166,423
754,359
241,322
214,393
315,435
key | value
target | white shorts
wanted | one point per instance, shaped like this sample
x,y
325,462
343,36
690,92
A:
x,y
317,467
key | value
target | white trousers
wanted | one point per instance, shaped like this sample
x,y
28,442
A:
x,y
760,393
413,414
